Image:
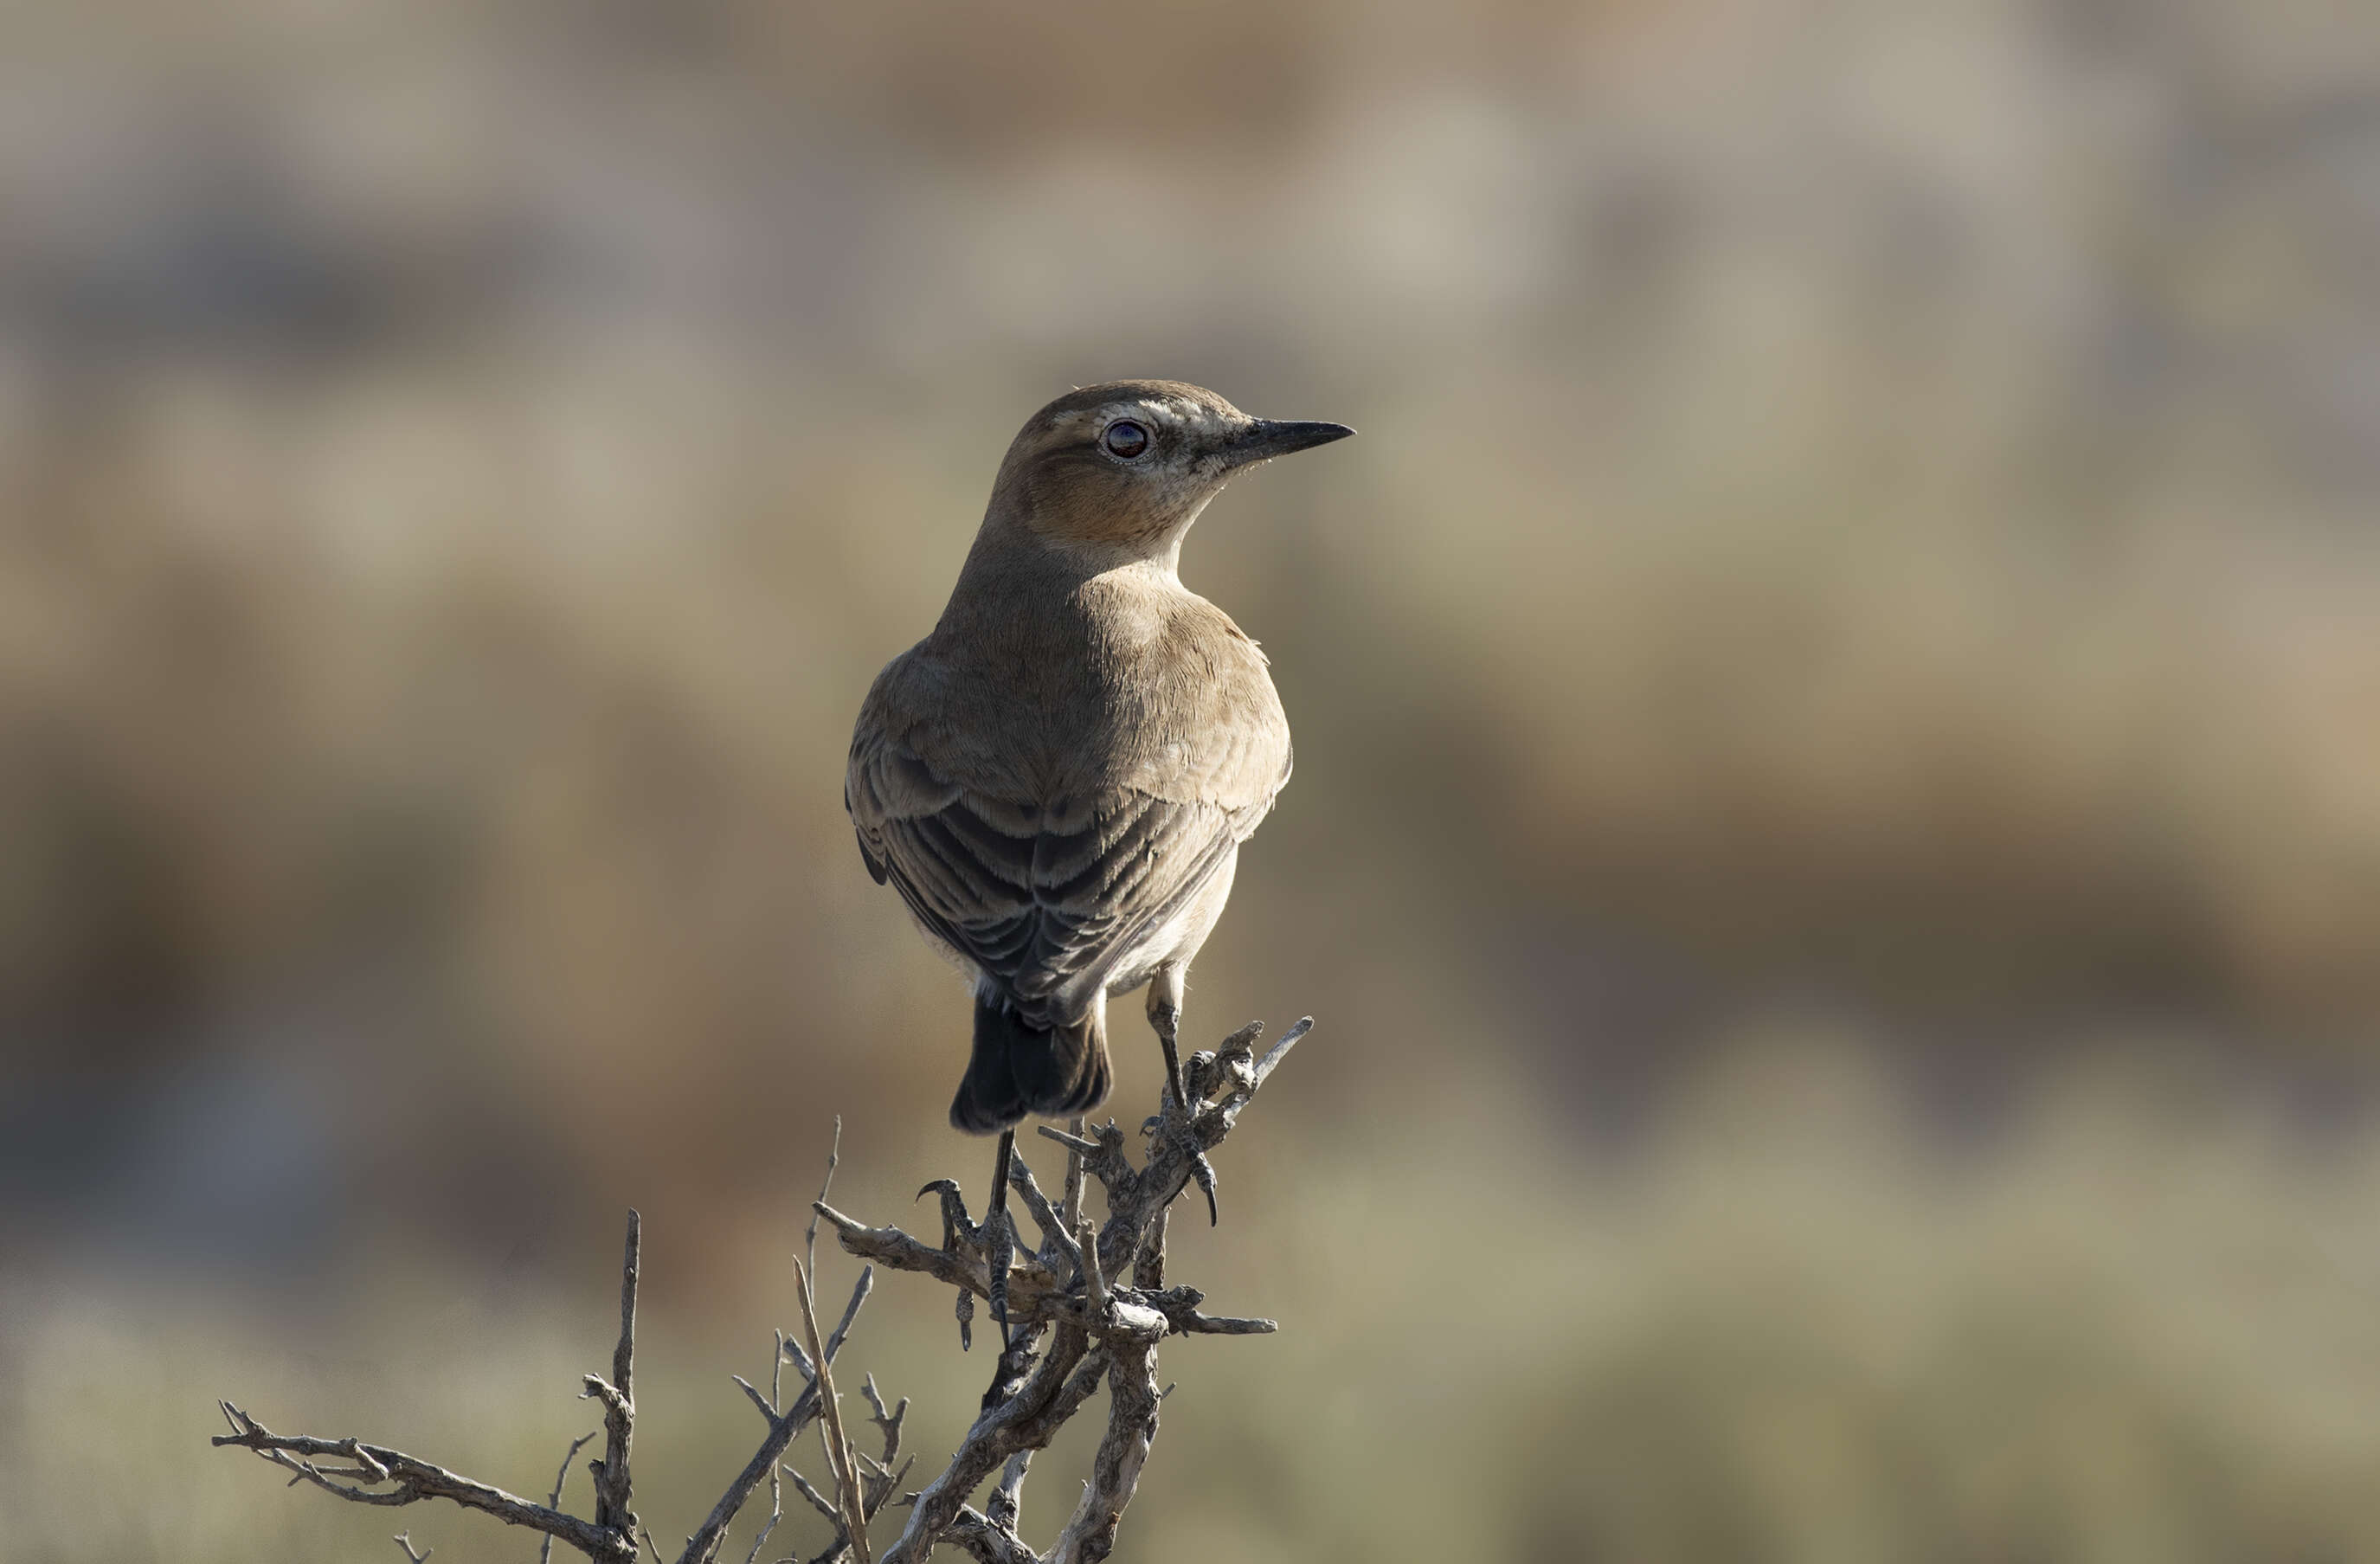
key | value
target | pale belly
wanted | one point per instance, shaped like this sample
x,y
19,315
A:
x,y
1179,940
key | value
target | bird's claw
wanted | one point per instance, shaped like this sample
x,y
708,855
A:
x,y
1200,1168
1204,1171
956,1224
1179,1111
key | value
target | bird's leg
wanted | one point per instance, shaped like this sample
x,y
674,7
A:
x,y
1165,1018
1000,1252
1000,1245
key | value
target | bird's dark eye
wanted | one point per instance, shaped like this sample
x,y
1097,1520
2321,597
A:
x,y
1125,439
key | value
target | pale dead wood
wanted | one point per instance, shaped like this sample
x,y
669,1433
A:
x,y
1006,1507
561,1476
1133,1396
769,1411
612,1482
986,1540
1075,1322
703,1546
409,1480
838,1445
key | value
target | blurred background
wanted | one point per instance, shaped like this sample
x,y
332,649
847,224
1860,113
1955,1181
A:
x,y
1835,845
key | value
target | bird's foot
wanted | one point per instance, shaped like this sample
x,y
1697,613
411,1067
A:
x,y
1000,1253
1204,1171
1000,1235
1179,1108
960,1235
1180,1127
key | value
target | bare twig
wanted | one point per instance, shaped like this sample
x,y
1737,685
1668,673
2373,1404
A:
x,y
986,1542
1045,1216
404,1541
776,1513
1030,1284
833,1160
859,1292
703,1546
1076,1322
612,1482
776,1399
1148,1268
545,1548
1006,1507
768,1408
411,1480
1064,1378
891,1484
1100,1326
1070,1199
1085,1249
1115,1470
1180,1307
853,1507
838,1450
819,1502
1071,1138
888,1422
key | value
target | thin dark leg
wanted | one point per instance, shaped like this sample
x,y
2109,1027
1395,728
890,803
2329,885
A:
x,y
1167,1022
1002,1245
1015,1347
1165,1030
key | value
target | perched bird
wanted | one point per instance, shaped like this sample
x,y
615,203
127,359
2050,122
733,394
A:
x,y
1058,779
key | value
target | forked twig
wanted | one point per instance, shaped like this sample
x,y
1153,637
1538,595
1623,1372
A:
x,y
562,1475
1077,1323
838,1446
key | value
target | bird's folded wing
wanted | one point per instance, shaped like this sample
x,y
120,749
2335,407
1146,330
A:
x,y
1051,900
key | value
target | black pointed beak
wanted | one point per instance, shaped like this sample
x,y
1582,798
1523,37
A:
x,y
1270,437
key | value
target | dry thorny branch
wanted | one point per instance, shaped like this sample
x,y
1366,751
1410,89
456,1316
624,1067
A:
x,y
1074,1320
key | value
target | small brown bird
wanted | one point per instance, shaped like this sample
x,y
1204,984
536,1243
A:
x,y
1058,779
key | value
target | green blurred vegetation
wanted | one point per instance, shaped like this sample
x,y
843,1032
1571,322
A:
x,y
1835,846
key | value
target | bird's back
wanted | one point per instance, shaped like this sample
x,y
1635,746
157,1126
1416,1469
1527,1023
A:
x,y
1055,775
1036,692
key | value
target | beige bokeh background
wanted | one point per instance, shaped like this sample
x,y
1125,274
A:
x,y
1835,845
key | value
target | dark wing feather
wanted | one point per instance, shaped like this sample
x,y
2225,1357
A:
x,y
1050,903
875,865
1050,897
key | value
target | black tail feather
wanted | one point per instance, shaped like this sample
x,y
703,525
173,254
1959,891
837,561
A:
x,y
1018,1070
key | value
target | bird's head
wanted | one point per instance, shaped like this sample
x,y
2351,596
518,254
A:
x,y
1120,470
